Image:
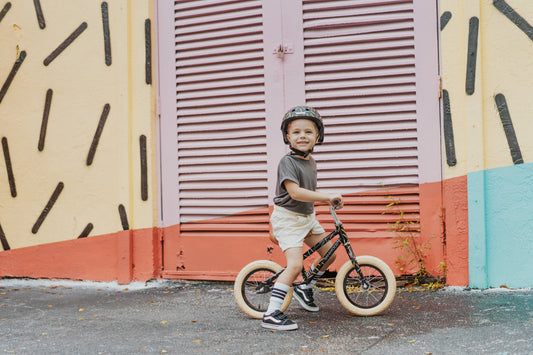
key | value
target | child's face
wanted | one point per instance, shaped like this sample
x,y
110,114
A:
x,y
302,134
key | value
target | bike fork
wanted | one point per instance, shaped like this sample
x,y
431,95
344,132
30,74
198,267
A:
x,y
356,266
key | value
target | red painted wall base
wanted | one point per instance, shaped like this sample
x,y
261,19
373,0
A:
x,y
123,256
141,255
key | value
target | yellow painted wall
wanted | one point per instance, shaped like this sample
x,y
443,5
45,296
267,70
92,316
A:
x,y
504,66
82,84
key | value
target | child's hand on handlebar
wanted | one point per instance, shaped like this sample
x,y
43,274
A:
x,y
336,201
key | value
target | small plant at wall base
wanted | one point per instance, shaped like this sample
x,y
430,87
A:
x,y
407,240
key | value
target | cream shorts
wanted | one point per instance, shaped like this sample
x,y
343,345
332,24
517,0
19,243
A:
x,y
290,228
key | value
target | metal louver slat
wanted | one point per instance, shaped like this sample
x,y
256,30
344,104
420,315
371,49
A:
x,y
221,138
360,75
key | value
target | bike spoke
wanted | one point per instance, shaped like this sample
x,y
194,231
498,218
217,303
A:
x,y
368,292
255,293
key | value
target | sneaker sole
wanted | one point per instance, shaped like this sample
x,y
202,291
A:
x,y
279,327
303,304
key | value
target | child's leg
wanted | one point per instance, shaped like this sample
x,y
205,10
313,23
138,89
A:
x,y
274,318
285,280
311,241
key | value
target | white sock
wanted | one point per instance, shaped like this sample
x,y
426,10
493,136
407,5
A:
x,y
278,295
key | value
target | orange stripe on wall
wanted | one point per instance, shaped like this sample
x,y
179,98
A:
x,y
456,217
124,256
138,255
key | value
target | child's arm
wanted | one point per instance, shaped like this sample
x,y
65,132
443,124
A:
x,y
300,194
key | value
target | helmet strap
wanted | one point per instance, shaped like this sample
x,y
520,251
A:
x,y
299,152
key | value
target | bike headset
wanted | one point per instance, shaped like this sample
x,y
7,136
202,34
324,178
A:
x,y
297,113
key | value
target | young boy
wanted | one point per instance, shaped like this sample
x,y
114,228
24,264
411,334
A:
x,y
293,219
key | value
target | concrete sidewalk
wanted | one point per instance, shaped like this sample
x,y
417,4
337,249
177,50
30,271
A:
x,y
181,317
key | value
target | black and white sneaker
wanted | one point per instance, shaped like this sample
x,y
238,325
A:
x,y
278,321
305,297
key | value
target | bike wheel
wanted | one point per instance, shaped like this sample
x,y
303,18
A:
x,y
369,296
250,291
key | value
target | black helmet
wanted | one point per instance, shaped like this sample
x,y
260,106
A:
x,y
299,112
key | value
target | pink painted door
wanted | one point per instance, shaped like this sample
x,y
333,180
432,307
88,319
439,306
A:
x,y
239,65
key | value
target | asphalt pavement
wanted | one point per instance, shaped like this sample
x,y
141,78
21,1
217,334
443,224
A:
x,y
188,317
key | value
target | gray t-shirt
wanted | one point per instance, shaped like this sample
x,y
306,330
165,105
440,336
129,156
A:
x,y
302,172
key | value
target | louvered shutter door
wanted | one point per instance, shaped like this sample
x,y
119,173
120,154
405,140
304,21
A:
x,y
360,74
220,116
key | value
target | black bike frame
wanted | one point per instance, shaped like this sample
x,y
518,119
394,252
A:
x,y
343,239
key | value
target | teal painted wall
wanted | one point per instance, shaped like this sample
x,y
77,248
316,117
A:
x,y
501,227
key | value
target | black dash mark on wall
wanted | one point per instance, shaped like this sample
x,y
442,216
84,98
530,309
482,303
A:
x,y
86,231
48,207
444,19
98,133
505,117
9,168
39,12
107,38
3,239
12,74
65,43
4,11
148,50
123,217
44,123
515,18
144,168
472,55
449,142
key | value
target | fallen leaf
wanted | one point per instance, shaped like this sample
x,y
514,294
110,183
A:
x,y
325,336
80,318
50,306
95,315
164,321
164,351
311,322
197,341
81,309
428,352
3,319
193,321
44,333
411,341
391,324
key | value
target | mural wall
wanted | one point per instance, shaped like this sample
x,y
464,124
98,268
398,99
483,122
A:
x,y
78,176
487,50
77,133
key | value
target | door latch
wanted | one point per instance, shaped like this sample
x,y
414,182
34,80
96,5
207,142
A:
x,y
282,49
